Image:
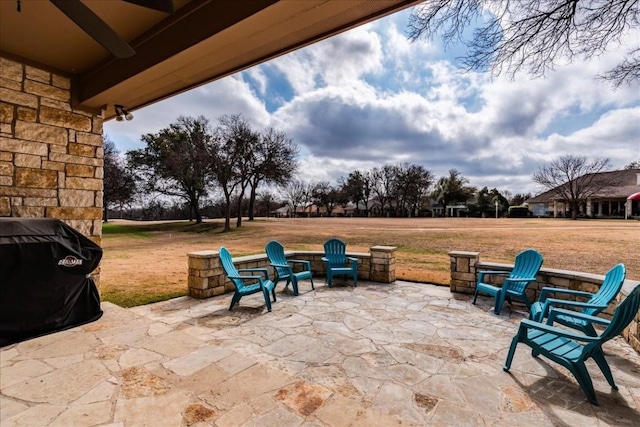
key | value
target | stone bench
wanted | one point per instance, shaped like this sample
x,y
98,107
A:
x,y
465,265
207,279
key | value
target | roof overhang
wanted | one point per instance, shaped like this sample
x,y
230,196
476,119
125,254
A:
x,y
203,40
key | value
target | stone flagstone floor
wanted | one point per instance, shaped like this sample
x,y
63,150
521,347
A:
x,y
406,354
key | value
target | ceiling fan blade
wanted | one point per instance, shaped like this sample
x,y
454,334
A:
x,y
95,27
165,6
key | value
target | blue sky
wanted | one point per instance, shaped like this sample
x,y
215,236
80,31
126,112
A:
x,y
369,97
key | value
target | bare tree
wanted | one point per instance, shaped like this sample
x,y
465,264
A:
x,y
383,180
119,183
635,164
175,161
294,192
535,35
411,185
574,179
230,155
357,188
273,161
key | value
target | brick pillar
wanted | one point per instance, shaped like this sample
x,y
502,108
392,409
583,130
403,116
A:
x,y
206,277
463,271
383,264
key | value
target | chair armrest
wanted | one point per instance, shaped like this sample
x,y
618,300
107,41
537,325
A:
x,y
531,324
241,277
352,260
325,259
551,303
548,290
593,319
301,261
518,279
259,270
280,265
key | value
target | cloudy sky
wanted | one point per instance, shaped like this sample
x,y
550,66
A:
x,y
369,97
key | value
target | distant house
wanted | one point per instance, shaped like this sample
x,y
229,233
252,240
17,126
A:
x,y
609,202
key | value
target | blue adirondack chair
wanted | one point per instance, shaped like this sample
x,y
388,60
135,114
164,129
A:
x,y
337,262
597,302
571,349
247,285
524,271
284,267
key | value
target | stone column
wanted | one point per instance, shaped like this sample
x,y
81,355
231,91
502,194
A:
x,y
383,264
51,154
206,277
463,271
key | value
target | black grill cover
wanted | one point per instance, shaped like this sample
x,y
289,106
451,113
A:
x,y
44,278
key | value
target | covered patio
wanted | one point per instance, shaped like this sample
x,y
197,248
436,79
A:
x,y
379,354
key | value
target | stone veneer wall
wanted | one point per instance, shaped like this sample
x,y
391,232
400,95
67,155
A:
x,y
465,265
207,279
51,155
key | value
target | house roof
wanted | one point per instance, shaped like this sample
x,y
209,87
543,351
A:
x,y
201,41
623,183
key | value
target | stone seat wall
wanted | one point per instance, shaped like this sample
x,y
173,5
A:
x,y
207,278
465,266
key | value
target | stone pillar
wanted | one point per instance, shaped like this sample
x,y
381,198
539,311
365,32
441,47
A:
x,y
463,271
51,155
383,264
206,277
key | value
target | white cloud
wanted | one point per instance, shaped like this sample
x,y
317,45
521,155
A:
x,y
369,97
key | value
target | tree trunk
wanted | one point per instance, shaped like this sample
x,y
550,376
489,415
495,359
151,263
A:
x,y
252,199
194,206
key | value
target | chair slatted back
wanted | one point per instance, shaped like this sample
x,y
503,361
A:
x,y
229,267
622,316
335,251
275,253
526,265
610,287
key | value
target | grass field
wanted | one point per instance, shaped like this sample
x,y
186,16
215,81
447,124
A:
x,y
145,262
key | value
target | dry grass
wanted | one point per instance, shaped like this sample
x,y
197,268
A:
x,y
144,262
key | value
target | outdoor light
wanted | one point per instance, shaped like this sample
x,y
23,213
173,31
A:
x,y
120,112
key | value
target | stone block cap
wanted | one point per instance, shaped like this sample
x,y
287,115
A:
x,y
202,254
383,248
464,254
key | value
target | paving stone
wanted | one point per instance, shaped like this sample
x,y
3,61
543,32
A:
x,y
22,370
39,415
193,362
404,354
279,416
398,401
89,414
160,410
137,356
9,407
172,344
302,397
61,386
100,393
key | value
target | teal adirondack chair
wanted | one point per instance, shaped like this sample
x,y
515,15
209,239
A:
x,y
524,271
284,267
337,262
597,302
247,285
571,349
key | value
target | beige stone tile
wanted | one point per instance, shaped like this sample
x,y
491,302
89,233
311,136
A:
x,y
61,386
89,414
